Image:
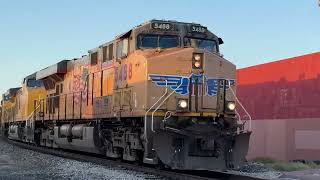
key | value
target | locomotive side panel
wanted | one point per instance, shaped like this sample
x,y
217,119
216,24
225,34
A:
x,y
129,86
79,74
102,82
21,105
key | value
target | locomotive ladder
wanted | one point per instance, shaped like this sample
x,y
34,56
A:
x,y
30,122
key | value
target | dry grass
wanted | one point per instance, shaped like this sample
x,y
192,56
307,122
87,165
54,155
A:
x,y
290,166
264,160
286,166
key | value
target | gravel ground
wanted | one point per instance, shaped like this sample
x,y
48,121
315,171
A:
x,y
17,163
259,170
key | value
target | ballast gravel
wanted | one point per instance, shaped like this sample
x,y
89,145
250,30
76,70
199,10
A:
x,y
17,163
258,170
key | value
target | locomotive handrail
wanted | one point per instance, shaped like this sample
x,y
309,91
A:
x,y
145,116
62,95
250,119
152,116
32,113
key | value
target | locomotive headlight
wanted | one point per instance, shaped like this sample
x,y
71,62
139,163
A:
x,y
197,60
182,104
197,57
197,64
231,106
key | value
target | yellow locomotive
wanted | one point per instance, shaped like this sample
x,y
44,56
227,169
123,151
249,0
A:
x,y
18,107
8,107
160,93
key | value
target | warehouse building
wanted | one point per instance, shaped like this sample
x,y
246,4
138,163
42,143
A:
x,y
283,99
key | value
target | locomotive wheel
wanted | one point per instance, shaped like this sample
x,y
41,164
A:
x,y
37,137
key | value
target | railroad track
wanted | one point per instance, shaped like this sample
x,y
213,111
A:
x,y
170,174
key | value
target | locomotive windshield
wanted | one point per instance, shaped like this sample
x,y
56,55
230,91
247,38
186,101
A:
x,y
209,45
155,41
6,97
34,83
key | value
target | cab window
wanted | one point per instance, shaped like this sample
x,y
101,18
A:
x,y
209,45
34,83
168,41
6,97
155,41
149,41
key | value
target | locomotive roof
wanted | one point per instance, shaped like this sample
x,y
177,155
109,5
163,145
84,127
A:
x,y
157,20
12,91
179,28
58,68
154,21
169,21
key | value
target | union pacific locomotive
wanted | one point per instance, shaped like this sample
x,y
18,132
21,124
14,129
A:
x,y
158,94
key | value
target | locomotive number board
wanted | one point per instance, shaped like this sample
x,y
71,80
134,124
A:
x,y
198,29
162,26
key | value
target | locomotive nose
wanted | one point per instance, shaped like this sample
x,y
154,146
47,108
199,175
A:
x,y
209,83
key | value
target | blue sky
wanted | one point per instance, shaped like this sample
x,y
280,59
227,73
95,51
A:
x,y
38,33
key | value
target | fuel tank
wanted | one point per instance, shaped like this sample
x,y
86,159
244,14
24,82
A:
x,y
66,130
77,130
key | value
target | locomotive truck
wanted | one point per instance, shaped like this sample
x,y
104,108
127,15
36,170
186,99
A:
x,y
159,94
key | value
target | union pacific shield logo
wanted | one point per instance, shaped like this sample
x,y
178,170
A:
x,y
213,84
180,84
